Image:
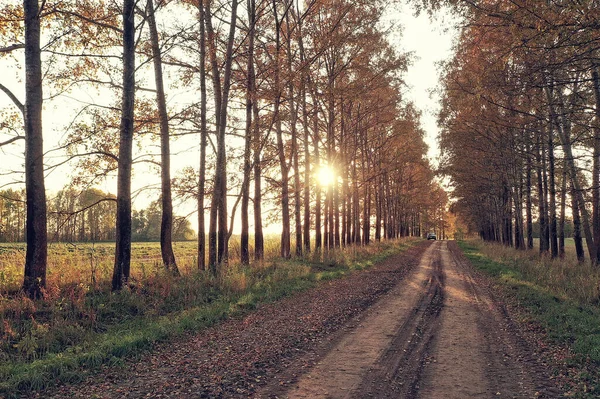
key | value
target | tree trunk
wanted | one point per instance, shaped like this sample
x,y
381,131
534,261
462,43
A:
x,y
528,202
316,139
307,170
553,236
293,109
330,159
577,227
541,202
218,240
546,231
123,225
596,166
166,225
563,207
285,200
36,234
250,98
259,250
203,143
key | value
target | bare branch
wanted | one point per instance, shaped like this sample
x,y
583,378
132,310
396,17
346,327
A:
x,y
12,47
12,140
14,98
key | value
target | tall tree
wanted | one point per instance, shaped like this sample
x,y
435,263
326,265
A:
x,y
166,222
283,163
218,240
201,245
37,251
123,226
250,99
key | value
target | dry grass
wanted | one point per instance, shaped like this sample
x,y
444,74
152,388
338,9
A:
x,y
565,277
90,263
78,303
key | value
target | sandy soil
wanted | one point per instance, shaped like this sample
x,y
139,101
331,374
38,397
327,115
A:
x,y
438,334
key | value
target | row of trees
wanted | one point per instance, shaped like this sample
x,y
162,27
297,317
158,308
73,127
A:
x,y
87,216
270,91
521,123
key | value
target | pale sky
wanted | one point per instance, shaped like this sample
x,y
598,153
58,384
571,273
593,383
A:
x,y
430,40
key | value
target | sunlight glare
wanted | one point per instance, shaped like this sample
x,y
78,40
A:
x,y
325,176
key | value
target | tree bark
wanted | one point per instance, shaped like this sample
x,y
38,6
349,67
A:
x,y
316,139
285,205
596,165
166,224
258,229
563,207
293,109
577,227
201,245
553,235
36,234
218,228
250,98
528,202
541,202
123,224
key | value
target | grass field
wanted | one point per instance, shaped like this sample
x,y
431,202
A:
x,y
92,263
89,263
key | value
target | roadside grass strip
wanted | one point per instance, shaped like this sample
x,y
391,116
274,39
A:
x,y
131,328
566,321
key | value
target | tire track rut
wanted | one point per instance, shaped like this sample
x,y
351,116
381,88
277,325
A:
x,y
438,334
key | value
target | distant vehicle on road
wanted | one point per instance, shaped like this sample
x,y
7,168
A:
x,y
431,236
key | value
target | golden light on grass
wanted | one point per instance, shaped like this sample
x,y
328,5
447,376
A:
x,y
325,175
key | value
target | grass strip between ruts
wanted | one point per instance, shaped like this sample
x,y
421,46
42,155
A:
x,y
565,322
133,337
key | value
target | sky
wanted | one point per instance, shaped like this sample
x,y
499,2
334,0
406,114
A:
x,y
430,39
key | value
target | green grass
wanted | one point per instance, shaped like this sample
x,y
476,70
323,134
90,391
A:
x,y
78,328
569,319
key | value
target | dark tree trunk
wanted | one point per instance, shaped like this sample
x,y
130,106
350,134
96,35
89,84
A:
x,y
285,196
123,227
218,227
563,207
316,139
36,234
577,227
166,225
257,203
203,143
250,98
307,171
541,202
528,202
546,231
553,235
307,158
293,109
596,167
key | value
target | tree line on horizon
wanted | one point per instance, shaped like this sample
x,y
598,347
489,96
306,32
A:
x,y
87,216
521,124
280,88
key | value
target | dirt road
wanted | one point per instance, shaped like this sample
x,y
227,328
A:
x,y
418,325
437,334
